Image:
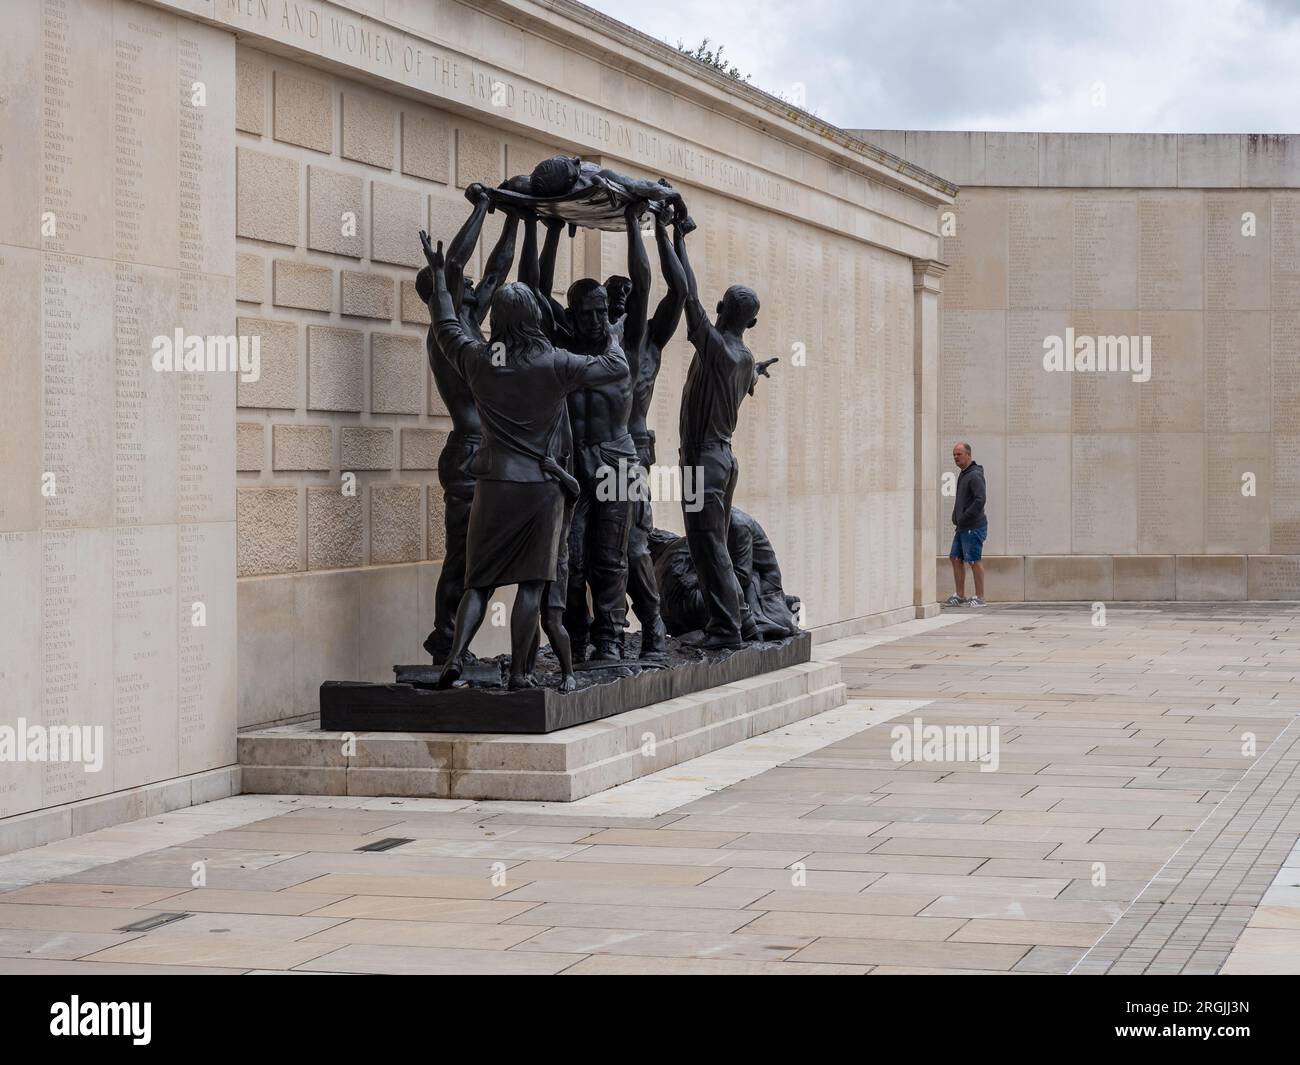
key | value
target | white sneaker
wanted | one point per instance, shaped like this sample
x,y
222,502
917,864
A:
x,y
975,601
954,600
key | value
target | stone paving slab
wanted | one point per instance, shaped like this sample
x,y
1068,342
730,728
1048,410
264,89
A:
x,y
1200,908
1142,818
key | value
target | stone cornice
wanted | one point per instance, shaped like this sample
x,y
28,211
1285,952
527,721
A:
x,y
589,85
928,274
1001,159
658,59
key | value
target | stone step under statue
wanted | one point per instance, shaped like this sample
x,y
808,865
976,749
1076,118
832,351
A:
x,y
560,766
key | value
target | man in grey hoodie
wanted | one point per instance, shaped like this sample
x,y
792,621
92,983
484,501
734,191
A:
x,y
972,527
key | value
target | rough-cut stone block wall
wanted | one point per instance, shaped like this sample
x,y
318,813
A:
x,y
335,179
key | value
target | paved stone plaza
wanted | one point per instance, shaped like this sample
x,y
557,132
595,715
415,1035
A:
x,y
1123,831
292,374
299,501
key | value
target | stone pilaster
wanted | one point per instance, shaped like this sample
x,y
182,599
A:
x,y
927,286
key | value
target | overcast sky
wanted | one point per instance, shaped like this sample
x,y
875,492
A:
x,y
1161,66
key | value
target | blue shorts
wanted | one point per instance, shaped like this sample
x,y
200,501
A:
x,y
968,544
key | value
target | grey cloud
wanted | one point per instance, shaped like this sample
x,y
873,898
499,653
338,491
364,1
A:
x,y
1166,66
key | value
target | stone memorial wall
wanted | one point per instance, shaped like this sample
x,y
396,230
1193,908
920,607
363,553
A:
x,y
337,174
1104,486
117,519
239,183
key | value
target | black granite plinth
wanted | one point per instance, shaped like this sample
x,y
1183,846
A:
x,y
487,705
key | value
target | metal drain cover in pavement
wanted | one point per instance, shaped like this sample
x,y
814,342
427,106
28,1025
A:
x,y
386,844
150,923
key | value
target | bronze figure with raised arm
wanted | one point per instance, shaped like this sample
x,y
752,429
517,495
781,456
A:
x,y
603,456
471,302
538,274
648,336
519,382
722,372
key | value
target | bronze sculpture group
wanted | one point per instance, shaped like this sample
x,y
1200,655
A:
x,y
551,408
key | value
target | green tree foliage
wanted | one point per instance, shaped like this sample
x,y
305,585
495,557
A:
x,y
712,57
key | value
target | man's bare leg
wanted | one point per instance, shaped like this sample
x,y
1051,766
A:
x,y
959,576
553,626
977,568
523,632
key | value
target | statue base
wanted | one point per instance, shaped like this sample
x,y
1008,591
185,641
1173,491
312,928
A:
x,y
412,704
304,759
